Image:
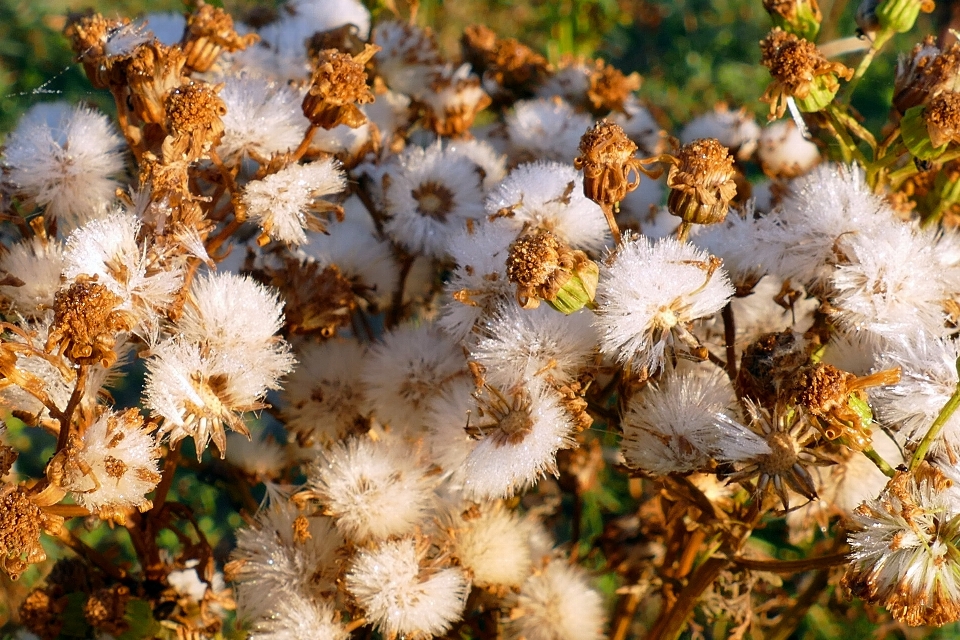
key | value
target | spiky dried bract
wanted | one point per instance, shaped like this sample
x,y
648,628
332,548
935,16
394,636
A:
x,y
409,367
492,546
905,551
519,432
373,489
701,182
209,31
403,592
650,288
338,85
325,399
678,425
68,166
153,72
285,203
273,564
555,604
549,196
117,466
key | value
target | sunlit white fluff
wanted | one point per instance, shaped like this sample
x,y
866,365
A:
x,y
400,592
324,398
275,565
784,152
108,249
889,284
516,345
257,456
646,290
447,418
735,129
410,366
492,546
677,424
519,432
296,617
640,126
735,241
285,203
68,168
549,195
408,54
479,282
373,489
547,129
262,118
122,456
556,603
430,194
37,264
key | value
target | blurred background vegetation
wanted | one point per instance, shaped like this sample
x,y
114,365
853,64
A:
x,y
691,54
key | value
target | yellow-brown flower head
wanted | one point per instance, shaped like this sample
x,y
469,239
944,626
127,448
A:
x,y
609,88
800,17
925,73
88,39
21,522
86,323
942,117
510,64
152,73
606,158
544,268
194,113
209,31
338,85
701,181
105,610
800,72
453,102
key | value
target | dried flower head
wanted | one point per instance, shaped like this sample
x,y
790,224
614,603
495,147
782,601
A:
x,y
453,101
942,117
194,113
799,72
21,522
606,158
924,73
209,31
338,85
89,36
610,88
544,268
105,610
153,72
504,62
905,552
701,181
801,17
87,322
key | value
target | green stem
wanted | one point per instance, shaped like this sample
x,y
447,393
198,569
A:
x,y
848,147
882,464
949,195
881,39
937,426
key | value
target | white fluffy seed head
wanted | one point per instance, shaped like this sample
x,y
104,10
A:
x,y
735,129
549,195
492,546
37,263
555,604
68,166
263,117
546,128
409,367
402,594
649,288
784,152
283,203
373,489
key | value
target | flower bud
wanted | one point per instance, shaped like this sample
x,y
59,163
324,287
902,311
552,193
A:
x,y
544,268
799,17
900,15
605,155
927,130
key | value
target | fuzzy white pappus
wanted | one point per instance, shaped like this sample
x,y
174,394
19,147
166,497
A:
x,y
263,117
546,128
647,289
373,489
68,168
555,604
549,195
37,264
492,546
402,594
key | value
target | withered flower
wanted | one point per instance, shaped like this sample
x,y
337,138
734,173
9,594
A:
x,y
701,181
345,39
152,73
544,268
800,72
210,31
88,39
836,400
924,73
194,122
610,88
766,363
105,610
21,522
338,85
504,61
86,323
942,116
610,171
453,102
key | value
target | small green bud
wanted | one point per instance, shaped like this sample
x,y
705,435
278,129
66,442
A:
x,y
900,15
800,17
823,90
579,290
916,136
